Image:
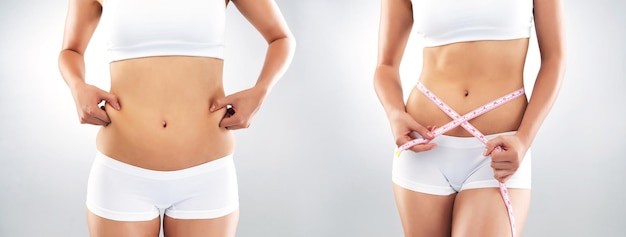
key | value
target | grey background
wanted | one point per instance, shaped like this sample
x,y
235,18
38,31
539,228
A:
x,y
317,159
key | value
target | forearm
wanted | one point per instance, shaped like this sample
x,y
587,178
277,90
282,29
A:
x,y
278,57
389,89
72,68
544,94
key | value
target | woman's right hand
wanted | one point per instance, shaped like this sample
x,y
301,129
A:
x,y
403,127
87,98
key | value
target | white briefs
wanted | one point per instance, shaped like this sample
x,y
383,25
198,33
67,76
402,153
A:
x,y
122,192
454,165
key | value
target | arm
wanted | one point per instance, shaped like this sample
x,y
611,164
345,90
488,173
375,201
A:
x,y
82,18
265,16
396,21
551,39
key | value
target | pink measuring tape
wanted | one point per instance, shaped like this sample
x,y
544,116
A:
x,y
463,122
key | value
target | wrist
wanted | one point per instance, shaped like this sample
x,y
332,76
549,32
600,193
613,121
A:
x,y
524,138
264,85
393,114
261,91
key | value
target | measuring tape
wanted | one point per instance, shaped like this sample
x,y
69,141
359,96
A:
x,y
463,122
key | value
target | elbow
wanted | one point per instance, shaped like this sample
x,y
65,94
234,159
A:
x,y
385,71
65,51
554,58
291,43
71,50
287,41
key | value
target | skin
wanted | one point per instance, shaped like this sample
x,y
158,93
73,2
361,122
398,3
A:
x,y
484,70
171,109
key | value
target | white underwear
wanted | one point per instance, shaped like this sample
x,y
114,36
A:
x,y
122,192
454,165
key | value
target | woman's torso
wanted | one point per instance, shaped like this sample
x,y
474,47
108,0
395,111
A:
x,y
474,53
166,70
467,75
164,122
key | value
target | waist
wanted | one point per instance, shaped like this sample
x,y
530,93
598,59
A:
x,y
466,76
171,95
462,100
164,122
160,139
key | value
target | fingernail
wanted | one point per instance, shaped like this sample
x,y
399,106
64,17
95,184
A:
x,y
212,108
117,106
430,134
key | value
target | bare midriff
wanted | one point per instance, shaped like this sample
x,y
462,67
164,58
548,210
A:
x,y
466,76
164,122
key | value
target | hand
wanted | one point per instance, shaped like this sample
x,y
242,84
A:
x,y
87,98
505,162
244,105
403,127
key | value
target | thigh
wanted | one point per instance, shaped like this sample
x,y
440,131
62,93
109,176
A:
x,y
481,212
224,226
102,227
424,214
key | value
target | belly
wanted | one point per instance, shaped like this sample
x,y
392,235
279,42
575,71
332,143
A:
x,y
468,75
165,123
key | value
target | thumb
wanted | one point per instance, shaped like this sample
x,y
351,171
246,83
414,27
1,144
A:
x,y
219,104
492,145
110,99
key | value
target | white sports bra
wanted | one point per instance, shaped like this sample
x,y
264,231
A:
x,y
144,28
444,22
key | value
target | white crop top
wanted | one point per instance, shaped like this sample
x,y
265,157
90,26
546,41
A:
x,y
144,28
443,22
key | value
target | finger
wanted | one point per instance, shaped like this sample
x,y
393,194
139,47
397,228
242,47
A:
x,y
235,127
233,122
101,122
505,178
92,120
93,115
406,138
99,114
503,165
423,147
424,132
110,99
491,145
220,103
431,128
502,175
502,157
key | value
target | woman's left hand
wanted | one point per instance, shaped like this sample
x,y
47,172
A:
x,y
244,105
508,160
